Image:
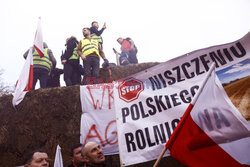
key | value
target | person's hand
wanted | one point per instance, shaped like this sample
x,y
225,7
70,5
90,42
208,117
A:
x,y
106,60
104,26
105,63
83,58
64,61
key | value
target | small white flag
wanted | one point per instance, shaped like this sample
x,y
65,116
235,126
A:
x,y
58,158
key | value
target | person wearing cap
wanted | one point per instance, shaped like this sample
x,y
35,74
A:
x,y
70,60
95,33
90,51
42,66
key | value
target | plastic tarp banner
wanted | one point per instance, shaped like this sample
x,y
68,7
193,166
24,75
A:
x,y
98,117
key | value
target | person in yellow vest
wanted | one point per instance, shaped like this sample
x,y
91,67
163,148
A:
x,y
70,60
95,33
42,66
90,51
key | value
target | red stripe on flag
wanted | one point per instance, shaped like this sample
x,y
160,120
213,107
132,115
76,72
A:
x,y
39,51
16,83
30,82
179,126
193,147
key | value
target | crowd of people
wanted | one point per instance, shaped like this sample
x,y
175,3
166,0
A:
x,y
88,155
89,49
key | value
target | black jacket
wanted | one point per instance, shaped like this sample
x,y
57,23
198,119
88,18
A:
x,y
71,44
94,30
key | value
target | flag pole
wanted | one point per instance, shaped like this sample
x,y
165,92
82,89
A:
x,y
203,83
160,157
175,133
120,157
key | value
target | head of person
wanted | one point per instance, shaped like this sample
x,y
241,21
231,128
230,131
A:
x,y
93,154
85,31
95,24
67,40
45,45
71,38
37,158
119,40
76,156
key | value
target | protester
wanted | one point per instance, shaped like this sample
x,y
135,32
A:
x,y
70,60
128,51
37,158
121,58
42,66
76,156
90,52
95,33
93,155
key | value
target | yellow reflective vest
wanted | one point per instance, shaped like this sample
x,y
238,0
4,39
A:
x,y
44,61
98,38
89,47
74,55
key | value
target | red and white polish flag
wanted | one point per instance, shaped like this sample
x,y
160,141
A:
x,y
212,132
25,81
38,42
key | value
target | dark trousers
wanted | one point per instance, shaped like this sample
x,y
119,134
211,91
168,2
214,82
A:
x,y
124,58
54,78
91,70
72,74
132,57
42,75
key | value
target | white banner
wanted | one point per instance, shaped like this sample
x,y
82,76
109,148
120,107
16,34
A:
x,y
150,104
98,117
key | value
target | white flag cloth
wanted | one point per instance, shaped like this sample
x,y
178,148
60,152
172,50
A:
x,y
58,158
38,42
25,81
